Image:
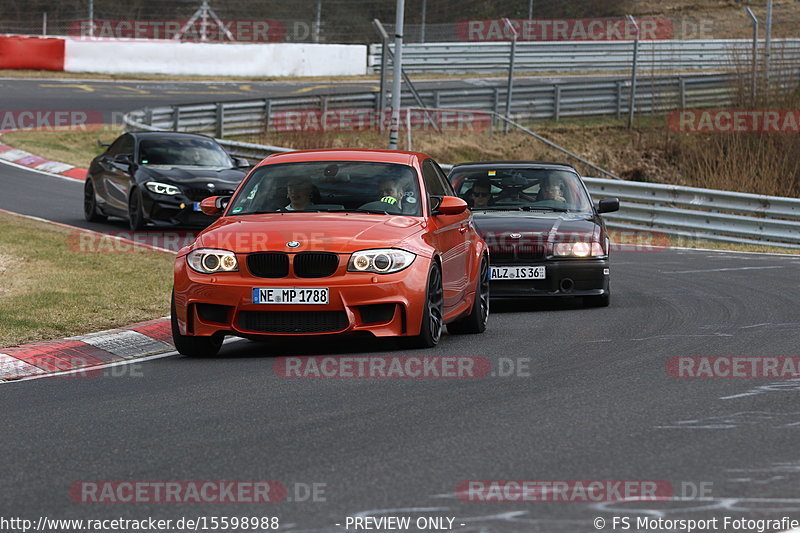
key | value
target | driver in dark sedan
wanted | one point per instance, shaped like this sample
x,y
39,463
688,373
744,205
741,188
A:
x,y
480,195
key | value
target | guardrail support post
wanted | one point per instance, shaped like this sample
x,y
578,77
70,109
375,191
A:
x,y
267,114
148,116
557,102
176,118
682,92
619,99
323,106
219,129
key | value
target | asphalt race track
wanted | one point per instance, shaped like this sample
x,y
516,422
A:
x,y
589,398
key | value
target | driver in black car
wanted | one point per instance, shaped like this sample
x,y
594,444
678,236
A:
x,y
480,195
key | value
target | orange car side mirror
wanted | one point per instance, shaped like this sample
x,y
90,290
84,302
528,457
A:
x,y
451,205
214,205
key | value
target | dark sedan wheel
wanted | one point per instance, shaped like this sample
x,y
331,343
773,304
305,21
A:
x,y
193,346
475,322
136,219
432,317
90,212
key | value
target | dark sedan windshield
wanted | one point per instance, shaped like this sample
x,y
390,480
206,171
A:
x,y
185,152
520,189
356,186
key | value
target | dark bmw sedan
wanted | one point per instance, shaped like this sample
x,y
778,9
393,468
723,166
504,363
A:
x,y
159,177
545,236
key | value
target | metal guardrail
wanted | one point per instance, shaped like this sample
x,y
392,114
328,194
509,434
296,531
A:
x,y
702,213
685,211
582,56
530,100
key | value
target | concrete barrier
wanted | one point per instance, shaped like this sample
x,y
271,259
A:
x,y
118,56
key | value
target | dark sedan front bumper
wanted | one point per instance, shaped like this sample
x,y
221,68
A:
x,y
566,277
166,209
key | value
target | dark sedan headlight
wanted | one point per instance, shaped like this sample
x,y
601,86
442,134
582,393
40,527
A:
x,y
212,261
380,261
162,188
578,249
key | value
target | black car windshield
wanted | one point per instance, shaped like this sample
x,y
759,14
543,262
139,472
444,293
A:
x,y
356,186
524,189
183,152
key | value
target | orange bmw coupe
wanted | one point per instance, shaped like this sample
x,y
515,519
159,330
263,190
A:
x,y
332,242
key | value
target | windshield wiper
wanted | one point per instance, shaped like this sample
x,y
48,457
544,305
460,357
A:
x,y
544,208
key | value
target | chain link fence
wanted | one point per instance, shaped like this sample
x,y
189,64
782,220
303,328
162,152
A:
x,y
349,21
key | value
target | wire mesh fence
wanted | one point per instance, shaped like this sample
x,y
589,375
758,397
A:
x,y
349,21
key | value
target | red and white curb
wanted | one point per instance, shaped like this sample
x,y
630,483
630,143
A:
x,y
101,348
26,159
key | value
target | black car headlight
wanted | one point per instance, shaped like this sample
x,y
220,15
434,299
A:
x,y
380,261
162,188
211,261
578,249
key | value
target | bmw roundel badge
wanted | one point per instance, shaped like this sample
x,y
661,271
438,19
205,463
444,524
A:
x,y
293,244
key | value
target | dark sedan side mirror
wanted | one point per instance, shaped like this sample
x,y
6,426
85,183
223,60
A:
x,y
241,162
123,159
450,205
608,205
214,205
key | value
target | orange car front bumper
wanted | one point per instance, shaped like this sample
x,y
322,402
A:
x,y
382,304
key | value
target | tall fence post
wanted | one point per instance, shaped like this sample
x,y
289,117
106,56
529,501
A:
x,y
632,104
384,60
767,47
754,61
510,85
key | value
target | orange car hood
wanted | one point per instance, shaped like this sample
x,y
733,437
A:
x,y
341,233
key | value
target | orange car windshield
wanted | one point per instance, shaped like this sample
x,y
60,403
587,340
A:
x,y
330,186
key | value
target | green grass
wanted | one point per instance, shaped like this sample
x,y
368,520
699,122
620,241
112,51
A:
x,y
51,287
74,147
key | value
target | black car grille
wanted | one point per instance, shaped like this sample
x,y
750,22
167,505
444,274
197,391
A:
x,y
293,321
517,254
197,194
315,264
268,264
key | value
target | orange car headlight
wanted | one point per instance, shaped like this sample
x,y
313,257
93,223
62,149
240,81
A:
x,y
380,261
211,261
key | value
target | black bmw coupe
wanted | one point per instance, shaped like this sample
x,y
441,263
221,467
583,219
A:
x,y
159,177
545,236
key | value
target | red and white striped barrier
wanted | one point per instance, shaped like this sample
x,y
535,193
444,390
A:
x,y
138,56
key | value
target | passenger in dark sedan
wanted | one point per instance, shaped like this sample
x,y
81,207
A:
x,y
551,189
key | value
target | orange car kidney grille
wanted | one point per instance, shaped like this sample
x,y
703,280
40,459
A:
x,y
315,264
268,264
